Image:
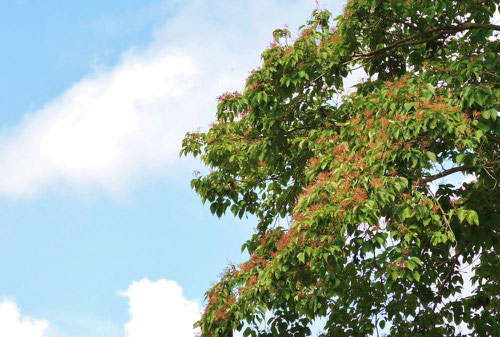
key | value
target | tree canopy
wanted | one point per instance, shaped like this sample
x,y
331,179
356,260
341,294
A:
x,y
374,241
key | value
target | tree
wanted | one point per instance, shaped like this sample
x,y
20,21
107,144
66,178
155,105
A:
x,y
376,242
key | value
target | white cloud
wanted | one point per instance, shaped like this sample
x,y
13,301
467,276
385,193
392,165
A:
x,y
12,324
101,130
125,123
156,309
159,309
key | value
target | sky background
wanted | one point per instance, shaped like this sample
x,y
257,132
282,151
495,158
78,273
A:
x,y
100,233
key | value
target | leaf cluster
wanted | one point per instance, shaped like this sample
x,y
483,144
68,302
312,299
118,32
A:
x,y
376,241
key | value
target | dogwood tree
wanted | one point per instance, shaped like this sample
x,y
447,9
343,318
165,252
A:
x,y
376,242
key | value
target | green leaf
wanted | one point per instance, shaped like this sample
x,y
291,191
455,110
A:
x,y
472,217
430,87
248,331
410,264
417,260
431,156
482,126
461,214
213,208
406,213
426,95
493,114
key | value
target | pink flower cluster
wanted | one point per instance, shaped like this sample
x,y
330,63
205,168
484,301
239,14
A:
x,y
227,95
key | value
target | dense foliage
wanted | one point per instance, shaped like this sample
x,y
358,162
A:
x,y
376,242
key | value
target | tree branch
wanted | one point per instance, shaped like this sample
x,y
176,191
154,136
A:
x,y
456,169
441,30
492,138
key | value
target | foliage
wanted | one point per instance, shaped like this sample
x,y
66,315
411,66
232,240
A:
x,y
369,246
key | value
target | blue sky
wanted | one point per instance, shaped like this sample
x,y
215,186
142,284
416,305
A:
x,y
97,216
100,233
51,44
